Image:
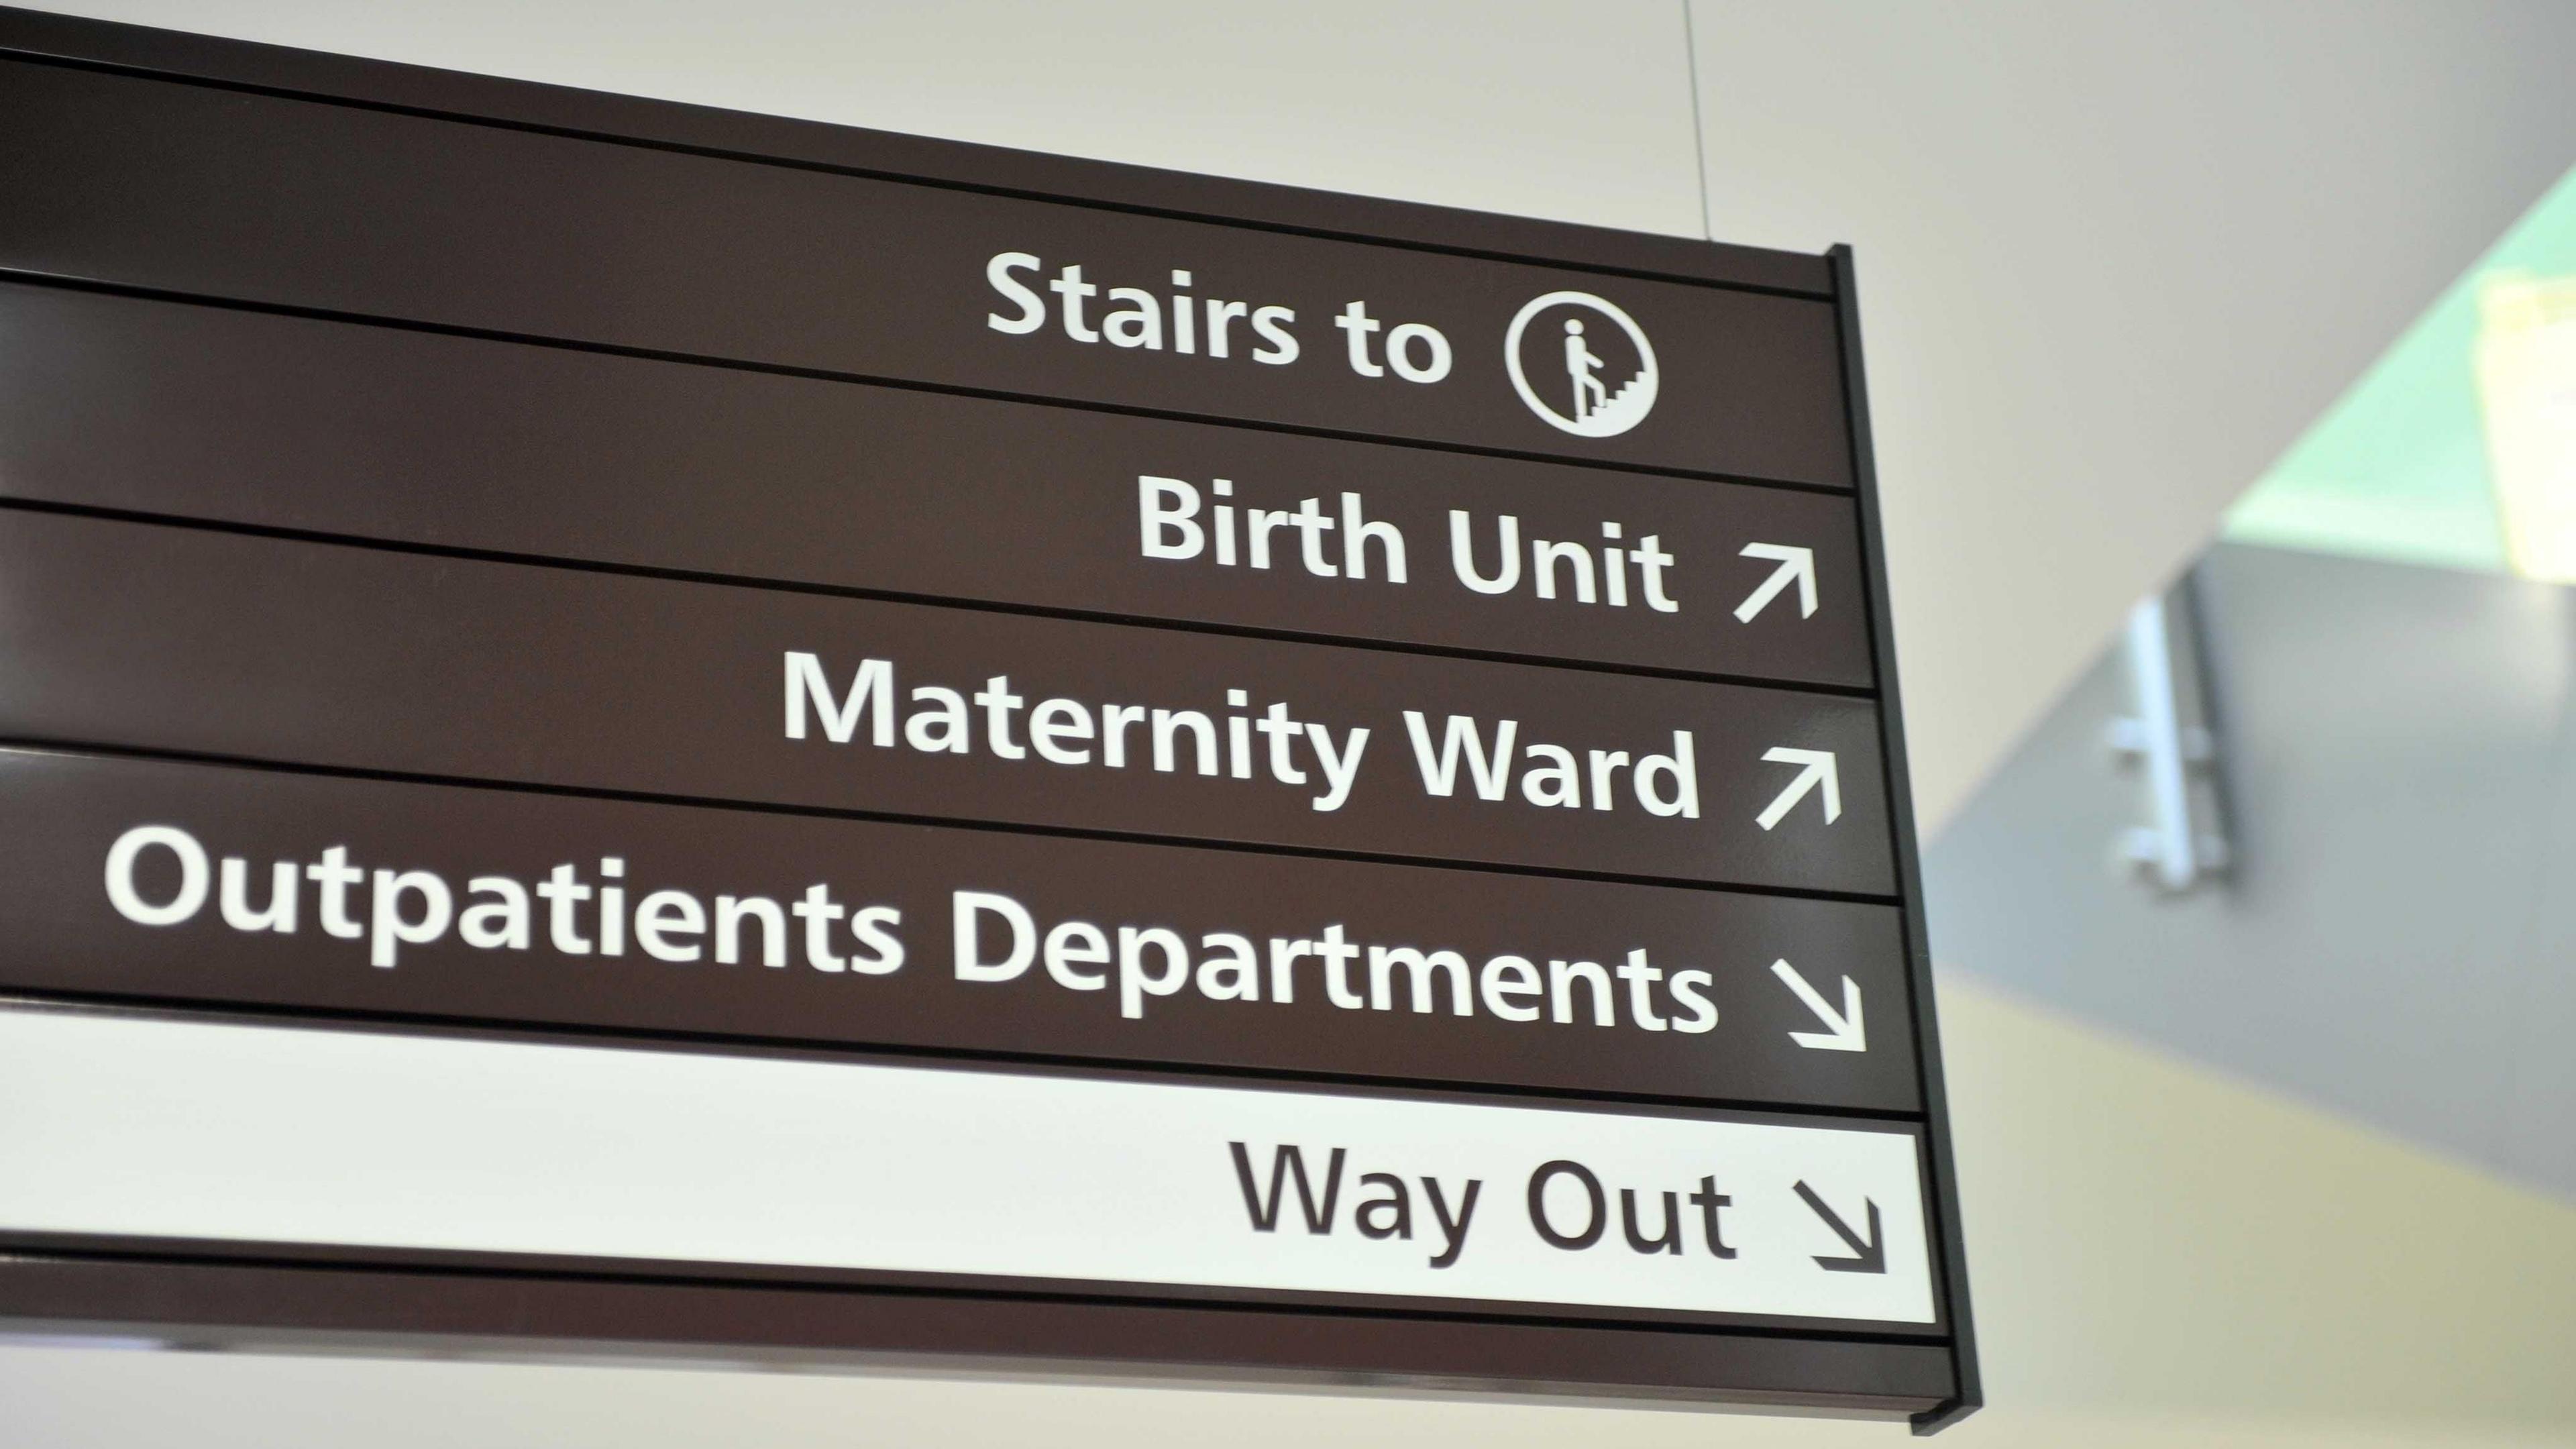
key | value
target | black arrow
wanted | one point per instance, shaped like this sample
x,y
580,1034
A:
x,y
1868,1257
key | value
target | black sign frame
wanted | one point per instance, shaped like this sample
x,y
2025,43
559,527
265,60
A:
x,y
197,1292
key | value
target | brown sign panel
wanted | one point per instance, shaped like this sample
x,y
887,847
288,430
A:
x,y
1072,948
191,640
774,651
147,183
424,438
318,1298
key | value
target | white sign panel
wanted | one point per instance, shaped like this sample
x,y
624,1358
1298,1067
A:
x,y
193,1130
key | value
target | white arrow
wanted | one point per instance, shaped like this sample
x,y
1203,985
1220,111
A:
x,y
1795,563
1819,771
1844,1032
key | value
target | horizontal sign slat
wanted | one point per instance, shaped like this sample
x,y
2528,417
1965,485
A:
x,y
249,1134
455,1304
192,640
150,183
495,906
427,438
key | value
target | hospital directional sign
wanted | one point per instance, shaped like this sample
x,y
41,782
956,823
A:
x,y
1034,766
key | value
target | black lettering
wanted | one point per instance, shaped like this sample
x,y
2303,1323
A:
x,y
1454,1233
1284,1161
1708,1200
1538,1205
1668,1241
1393,1214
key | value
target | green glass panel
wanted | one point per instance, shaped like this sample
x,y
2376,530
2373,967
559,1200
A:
x,y
2397,468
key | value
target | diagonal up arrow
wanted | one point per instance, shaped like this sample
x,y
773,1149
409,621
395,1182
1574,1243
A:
x,y
1819,771
1867,1257
1843,1029
1797,565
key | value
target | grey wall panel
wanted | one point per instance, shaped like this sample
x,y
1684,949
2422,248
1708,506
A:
x,y
2536,1021
2395,936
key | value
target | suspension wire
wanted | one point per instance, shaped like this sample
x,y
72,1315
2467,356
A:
x,y
1699,132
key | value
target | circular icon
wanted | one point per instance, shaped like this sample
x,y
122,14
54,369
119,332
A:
x,y
1602,396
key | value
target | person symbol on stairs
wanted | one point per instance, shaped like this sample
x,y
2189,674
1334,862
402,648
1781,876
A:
x,y
1580,365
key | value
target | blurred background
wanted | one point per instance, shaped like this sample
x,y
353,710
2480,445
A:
x,y
2223,364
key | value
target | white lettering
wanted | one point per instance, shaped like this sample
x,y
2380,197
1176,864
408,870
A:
x,y
1169,529
391,931
193,874
1032,310
873,687
1491,769
968,908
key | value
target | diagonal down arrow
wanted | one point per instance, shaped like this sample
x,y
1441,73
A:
x,y
1843,1029
1867,1257
1819,771
1797,565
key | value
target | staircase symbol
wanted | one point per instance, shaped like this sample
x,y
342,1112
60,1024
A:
x,y
1624,408
1598,411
